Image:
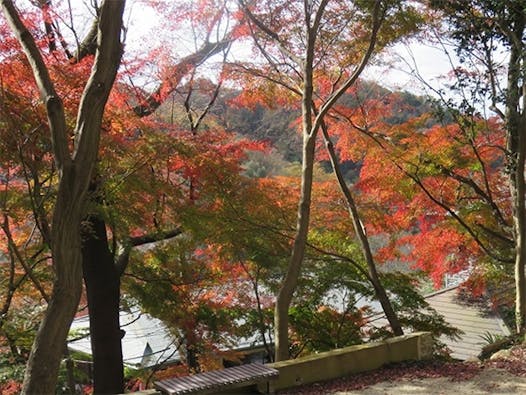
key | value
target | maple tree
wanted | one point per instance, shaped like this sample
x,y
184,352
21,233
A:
x,y
216,206
209,280
74,168
475,219
107,355
478,30
315,58
457,219
338,270
101,277
28,187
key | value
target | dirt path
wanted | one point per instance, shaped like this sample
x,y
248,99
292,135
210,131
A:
x,y
488,381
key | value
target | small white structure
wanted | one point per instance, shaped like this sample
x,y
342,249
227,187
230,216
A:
x,y
147,341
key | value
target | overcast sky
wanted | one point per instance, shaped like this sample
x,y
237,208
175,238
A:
x,y
400,65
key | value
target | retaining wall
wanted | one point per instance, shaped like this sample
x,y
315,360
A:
x,y
342,362
354,359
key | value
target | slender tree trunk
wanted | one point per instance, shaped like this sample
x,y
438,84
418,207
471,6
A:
x,y
516,147
379,289
310,126
519,224
520,285
102,280
288,286
70,373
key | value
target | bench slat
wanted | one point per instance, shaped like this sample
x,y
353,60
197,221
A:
x,y
250,374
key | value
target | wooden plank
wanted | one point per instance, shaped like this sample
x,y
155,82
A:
x,y
226,378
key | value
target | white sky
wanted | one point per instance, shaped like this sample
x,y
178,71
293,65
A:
x,y
431,63
404,61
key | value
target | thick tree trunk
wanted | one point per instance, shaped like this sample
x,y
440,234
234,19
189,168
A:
x,y
74,169
43,365
102,280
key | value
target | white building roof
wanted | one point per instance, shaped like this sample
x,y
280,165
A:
x,y
147,342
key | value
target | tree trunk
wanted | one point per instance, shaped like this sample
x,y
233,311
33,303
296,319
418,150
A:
x,y
516,147
102,280
288,286
102,271
74,168
44,361
43,364
520,287
191,351
519,224
379,289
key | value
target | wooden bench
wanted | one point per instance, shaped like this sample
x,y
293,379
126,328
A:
x,y
209,382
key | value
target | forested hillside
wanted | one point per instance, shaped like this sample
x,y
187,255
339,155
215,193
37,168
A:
x,y
278,125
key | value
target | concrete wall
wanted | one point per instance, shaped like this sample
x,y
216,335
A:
x,y
342,362
354,359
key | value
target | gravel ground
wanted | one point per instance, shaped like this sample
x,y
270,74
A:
x,y
488,381
504,375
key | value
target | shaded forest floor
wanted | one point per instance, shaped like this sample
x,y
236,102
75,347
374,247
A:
x,y
506,375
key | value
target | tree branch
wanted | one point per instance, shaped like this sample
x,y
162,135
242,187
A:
x,y
456,217
88,46
149,104
152,238
123,256
271,34
377,23
27,269
97,90
54,106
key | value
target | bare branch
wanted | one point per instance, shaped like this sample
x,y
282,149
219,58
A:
x,y
27,268
166,87
152,238
88,46
271,34
377,23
